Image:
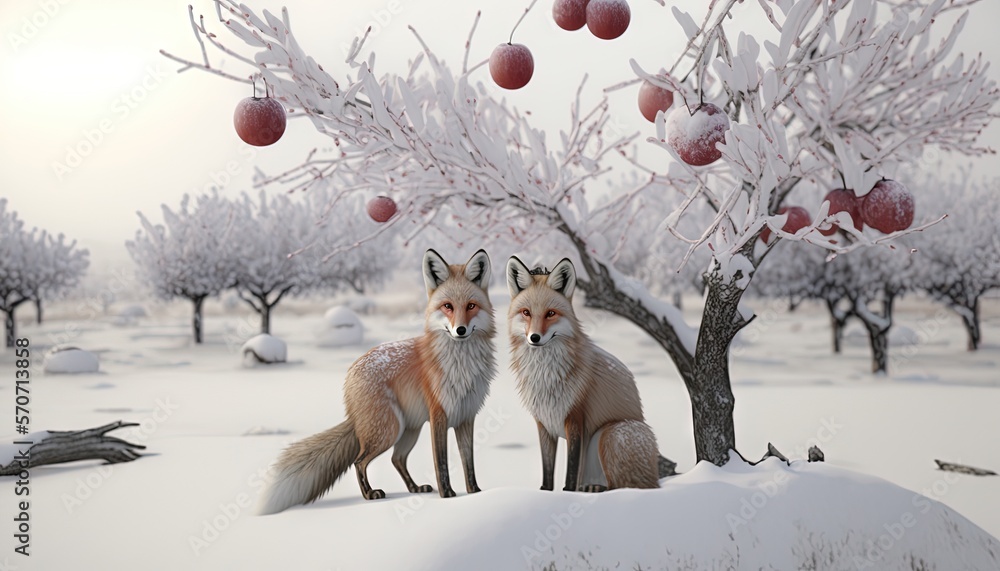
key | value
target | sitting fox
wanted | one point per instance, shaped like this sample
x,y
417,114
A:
x,y
574,389
391,391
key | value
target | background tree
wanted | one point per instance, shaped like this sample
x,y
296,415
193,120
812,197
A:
x,y
190,255
960,258
848,89
282,248
33,266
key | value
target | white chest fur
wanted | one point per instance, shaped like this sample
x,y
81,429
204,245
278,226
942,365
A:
x,y
547,388
468,366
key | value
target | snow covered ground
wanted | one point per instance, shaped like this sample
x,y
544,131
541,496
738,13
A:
x,y
212,427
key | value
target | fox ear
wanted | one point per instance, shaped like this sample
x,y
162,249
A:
x,y
477,269
436,270
563,278
518,276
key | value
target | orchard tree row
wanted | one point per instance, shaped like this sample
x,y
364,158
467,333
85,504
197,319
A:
x,y
955,262
34,266
830,95
265,248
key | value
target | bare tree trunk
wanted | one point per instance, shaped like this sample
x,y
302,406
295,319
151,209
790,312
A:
x,y
265,318
878,331
196,321
970,319
10,327
710,389
706,372
38,310
678,300
838,321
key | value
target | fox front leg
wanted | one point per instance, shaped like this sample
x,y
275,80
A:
x,y
463,434
548,445
439,444
574,450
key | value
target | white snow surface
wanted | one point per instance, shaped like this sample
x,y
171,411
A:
x,y
71,361
9,451
267,348
188,503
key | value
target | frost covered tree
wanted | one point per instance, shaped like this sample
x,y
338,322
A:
x,y
841,91
190,255
863,285
33,266
961,256
281,246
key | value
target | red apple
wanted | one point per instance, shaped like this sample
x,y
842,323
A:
x,y
888,207
843,200
608,19
693,136
381,208
653,98
259,121
798,218
570,14
511,66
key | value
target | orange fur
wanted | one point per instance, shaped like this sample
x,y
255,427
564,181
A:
x,y
574,389
442,376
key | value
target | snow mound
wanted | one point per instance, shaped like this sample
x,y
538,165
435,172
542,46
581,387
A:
x,y
341,326
901,335
129,315
769,516
70,360
265,349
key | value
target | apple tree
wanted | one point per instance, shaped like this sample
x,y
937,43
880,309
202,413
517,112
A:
x,y
192,254
282,246
961,256
33,266
834,93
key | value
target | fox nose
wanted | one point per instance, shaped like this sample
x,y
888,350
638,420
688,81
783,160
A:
x,y
535,338
460,330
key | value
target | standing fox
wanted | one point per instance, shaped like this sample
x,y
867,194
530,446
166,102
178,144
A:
x,y
575,389
390,392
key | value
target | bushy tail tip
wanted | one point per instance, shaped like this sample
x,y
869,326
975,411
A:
x,y
308,468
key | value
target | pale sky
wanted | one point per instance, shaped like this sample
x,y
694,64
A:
x,y
87,75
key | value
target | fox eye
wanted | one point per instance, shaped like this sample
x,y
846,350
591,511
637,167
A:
x,y
470,307
525,313
448,307
550,314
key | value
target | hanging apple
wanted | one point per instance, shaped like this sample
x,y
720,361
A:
x,y
381,208
653,98
798,218
570,15
259,121
511,65
843,200
888,207
693,135
608,19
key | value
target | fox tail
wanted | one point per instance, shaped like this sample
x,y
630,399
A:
x,y
309,467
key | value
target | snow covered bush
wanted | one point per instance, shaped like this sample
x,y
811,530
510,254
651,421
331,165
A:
x,y
191,255
264,349
341,326
70,360
33,266
844,94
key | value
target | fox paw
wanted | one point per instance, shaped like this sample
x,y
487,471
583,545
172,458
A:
x,y
447,493
374,495
593,488
473,489
424,489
